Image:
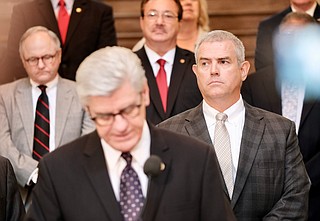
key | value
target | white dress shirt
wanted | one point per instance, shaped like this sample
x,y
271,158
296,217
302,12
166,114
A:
x,y
115,163
56,7
51,91
234,125
154,57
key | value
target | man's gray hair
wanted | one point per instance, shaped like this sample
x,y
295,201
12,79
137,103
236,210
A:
x,y
218,36
105,70
37,29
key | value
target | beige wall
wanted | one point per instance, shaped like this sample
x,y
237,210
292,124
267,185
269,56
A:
x,y
240,17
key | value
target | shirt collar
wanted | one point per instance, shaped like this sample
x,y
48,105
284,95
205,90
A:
x,y
69,4
49,85
310,11
154,57
233,112
140,153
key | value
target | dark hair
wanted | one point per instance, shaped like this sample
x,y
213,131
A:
x,y
300,16
180,10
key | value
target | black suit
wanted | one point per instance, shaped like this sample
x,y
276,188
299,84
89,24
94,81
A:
x,y
183,91
261,90
74,183
91,27
11,207
266,30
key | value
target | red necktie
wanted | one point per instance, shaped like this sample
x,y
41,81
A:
x,y
162,84
41,126
63,20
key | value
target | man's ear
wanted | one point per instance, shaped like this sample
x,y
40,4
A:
x,y
195,70
245,67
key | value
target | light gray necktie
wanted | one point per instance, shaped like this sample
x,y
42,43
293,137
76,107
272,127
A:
x,y
222,147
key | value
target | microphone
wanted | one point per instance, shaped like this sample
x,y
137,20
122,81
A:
x,y
153,166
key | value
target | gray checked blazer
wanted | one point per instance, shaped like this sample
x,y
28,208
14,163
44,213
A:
x,y
271,181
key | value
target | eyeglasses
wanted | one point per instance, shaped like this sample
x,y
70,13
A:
x,y
128,113
46,59
166,16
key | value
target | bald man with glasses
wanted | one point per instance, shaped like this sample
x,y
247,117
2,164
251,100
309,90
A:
x,y
20,132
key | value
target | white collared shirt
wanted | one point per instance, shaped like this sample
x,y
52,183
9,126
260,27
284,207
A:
x,y
154,57
234,124
52,97
56,7
115,163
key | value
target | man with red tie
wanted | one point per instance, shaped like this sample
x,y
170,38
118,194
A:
x,y
41,112
82,26
173,85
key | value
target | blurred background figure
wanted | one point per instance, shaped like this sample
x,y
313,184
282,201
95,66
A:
x,y
291,88
11,207
82,26
194,23
267,28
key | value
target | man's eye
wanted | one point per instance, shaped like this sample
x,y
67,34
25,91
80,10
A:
x,y
224,62
32,59
204,64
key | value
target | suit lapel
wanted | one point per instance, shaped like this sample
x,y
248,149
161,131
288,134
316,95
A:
x,y
47,13
78,10
25,106
196,126
63,105
153,87
96,169
316,14
270,83
157,184
180,64
251,137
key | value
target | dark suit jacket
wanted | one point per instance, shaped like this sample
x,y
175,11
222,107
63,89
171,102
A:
x,y
271,181
266,30
74,183
183,90
91,27
261,90
11,207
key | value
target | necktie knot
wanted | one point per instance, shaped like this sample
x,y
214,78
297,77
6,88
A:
x,y
42,87
128,157
61,3
221,117
161,62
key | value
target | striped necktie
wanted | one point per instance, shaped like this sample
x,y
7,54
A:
x,y
41,126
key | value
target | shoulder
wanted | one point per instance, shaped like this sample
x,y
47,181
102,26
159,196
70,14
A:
x,y
178,120
275,19
269,117
179,143
185,53
71,151
99,5
10,88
